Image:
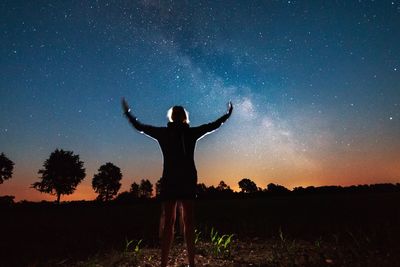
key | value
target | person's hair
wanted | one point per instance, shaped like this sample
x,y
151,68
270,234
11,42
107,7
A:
x,y
178,114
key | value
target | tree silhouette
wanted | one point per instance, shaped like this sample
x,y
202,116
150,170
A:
x,y
6,200
145,188
62,173
222,186
158,187
201,190
6,168
124,197
107,181
277,189
248,186
135,191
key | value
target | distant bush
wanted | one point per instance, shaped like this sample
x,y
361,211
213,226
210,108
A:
x,y
6,200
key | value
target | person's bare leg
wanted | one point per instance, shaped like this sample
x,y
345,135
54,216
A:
x,y
169,209
181,223
188,220
162,219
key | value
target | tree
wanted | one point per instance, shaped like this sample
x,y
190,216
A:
x,y
107,181
6,200
125,197
62,173
6,168
277,189
135,190
222,186
201,190
145,188
158,187
248,186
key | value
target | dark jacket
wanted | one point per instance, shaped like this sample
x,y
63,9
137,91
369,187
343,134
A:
x,y
178,142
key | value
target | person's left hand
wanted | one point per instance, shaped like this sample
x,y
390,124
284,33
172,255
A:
x,y
125,106
230,108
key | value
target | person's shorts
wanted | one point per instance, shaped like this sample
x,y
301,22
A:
x,y
177,189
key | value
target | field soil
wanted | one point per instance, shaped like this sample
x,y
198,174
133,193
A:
x,y
317,230
250,253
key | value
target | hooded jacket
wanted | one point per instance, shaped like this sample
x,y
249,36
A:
x,y
177,142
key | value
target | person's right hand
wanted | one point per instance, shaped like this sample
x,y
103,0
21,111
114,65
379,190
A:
x,y
125,106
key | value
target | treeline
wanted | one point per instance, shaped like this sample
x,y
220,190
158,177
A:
x,y
223,191
63,171
249,189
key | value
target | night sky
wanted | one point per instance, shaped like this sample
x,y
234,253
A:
x,y
315,87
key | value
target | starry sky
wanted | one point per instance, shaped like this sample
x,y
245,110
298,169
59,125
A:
x,y
315,87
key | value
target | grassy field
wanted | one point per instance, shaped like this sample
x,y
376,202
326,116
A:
x,y
318,230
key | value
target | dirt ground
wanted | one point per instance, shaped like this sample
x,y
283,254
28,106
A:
x,y
250,253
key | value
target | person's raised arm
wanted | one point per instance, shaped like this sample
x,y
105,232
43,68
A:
x,y
143,128
212,126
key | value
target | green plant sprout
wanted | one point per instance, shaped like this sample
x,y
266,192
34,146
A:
x,y
136,248
197,236
221,245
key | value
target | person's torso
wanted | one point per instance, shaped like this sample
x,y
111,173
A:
x,y
178,146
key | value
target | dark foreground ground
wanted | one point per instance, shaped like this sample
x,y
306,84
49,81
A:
x,y
318,230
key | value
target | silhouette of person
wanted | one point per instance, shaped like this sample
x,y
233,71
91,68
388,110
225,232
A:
x,y
179,178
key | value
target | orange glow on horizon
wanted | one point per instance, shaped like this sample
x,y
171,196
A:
x,y
213,167
359,172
